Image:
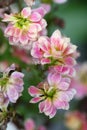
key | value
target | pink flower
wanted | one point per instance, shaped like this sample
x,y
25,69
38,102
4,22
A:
x,y
79,82
55,51
30,125
47,7
54,94
76,121
3,65
11,84
22,54
25,27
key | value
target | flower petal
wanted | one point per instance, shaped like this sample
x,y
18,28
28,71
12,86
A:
x,y
36,99
26,12
70,61
41,11
41,106
35,17
54,78
33,91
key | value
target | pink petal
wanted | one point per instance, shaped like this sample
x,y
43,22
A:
x,y
70,61
47,7
45,61
71,49
33,91
24,38
7,18
48,104
36,99
65,70
15,40
12,94
41,128
52,114
35,17
40,10
63,85
44,43
41,106
71,93
17,74
9,31
54,78
56,36
17,32
59,104
72,72
43,23
48,111
34,28
35,51
26,12
29,124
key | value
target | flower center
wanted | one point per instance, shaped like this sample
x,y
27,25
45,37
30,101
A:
x,y
22,22
3,81
50,93
58,61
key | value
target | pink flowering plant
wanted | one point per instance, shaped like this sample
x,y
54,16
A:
x,y
25,27
38,77
54,94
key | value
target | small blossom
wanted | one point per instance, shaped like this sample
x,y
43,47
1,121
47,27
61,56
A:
x,y
30,125
76,121
25,27
22,54
55,51
54,94
79,82
11,85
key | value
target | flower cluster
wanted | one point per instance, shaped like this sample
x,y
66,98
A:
x,y
54,94
76,121
11,86
30,125
25,27
56,51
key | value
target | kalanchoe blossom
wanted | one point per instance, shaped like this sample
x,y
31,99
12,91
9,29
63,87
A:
x,y
54,94
22,55
76,121
79,82
30,125
25,27
11,86
55,51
